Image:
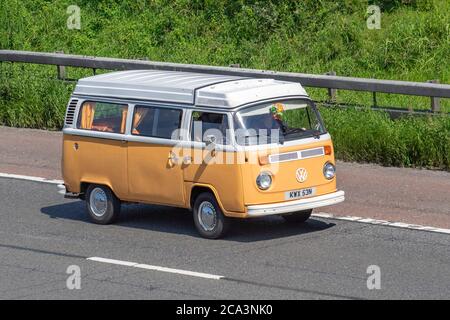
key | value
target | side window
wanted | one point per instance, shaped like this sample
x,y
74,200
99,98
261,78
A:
x,y
206,124
103,116
156,122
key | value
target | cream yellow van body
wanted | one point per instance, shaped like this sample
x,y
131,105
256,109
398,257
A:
x,y
145,169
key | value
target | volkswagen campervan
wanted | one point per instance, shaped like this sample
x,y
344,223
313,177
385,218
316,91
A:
x,y
221,146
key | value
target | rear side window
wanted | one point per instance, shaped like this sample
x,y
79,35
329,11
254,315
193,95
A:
x,y
103,117
156,122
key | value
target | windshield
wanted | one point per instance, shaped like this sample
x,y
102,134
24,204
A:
x,y
278,121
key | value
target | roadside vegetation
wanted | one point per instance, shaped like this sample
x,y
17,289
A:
x,y
371,136
311,36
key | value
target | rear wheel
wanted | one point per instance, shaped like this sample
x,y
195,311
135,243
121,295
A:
x,y
297,217
209,220
102,205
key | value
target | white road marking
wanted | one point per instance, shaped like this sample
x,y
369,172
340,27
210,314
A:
x,y
29,178
156,268
401,225
318,215
113,261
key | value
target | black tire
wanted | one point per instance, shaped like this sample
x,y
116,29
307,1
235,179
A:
x,y
112,209
297,217
220,224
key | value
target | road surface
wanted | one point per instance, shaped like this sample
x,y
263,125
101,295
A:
x,y
42,234
394,194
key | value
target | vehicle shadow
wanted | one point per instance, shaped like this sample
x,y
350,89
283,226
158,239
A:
x,y
179,221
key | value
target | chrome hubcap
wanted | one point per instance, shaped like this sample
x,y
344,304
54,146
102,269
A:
x,y
207,216
98,202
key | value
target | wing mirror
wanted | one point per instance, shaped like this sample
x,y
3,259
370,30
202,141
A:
x,y
210,142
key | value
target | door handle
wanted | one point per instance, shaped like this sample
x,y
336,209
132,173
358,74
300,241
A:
x,y
173,159
187,160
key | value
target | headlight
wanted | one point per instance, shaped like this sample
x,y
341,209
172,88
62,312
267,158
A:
x,y
329,171
264,180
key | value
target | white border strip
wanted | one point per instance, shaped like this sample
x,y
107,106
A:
x,y
156,268
30,178
381,222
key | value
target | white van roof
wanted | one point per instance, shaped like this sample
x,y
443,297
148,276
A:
x,y
206,90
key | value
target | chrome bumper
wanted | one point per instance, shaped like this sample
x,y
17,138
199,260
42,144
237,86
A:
x,y
69,195
295,205
61,189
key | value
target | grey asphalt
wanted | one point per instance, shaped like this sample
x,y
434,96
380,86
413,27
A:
x,y
371,191
41,234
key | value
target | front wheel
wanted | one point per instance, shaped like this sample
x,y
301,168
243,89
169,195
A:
x,y
209,220
102,205
297,217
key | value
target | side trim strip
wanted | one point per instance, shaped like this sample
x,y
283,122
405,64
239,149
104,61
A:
x,y
142,139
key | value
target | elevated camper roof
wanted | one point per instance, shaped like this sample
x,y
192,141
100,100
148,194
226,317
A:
x,y
207,90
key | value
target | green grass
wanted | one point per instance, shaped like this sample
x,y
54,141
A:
x,y
32,100
371,136
310,36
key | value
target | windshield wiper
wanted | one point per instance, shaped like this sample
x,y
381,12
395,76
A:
x,y
316,134
293,130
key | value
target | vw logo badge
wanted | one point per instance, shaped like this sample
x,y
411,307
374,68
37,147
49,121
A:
x,y
301,174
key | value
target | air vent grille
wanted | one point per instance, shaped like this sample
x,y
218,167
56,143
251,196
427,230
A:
x,y
70,115
312,153
297,155
283,157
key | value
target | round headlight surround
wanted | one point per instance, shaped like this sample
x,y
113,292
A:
x,y
264,180
329,171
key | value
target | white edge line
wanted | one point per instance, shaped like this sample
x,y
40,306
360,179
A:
x,y
318,215
29,178
401,225
156,268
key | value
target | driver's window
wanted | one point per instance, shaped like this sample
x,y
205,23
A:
x,y
209,124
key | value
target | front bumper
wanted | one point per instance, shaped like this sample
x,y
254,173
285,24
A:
x,y
295,205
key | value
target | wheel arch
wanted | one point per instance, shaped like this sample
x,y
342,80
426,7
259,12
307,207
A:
x,y
197,188
85,184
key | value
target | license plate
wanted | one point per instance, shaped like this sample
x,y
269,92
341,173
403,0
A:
x,y
298,194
